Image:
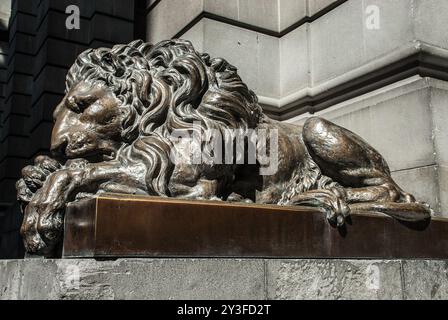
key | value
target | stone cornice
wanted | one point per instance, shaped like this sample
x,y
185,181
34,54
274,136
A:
x,y
417,58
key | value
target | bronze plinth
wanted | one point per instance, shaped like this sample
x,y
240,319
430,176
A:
x,y
132,226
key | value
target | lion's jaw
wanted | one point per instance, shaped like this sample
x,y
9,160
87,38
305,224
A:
x,y
87,124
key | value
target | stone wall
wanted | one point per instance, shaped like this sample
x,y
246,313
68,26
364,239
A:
x,y
223,279
304,57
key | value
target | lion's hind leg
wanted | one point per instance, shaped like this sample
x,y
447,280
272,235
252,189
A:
x,y
360,169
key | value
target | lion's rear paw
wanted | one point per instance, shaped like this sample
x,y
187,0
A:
x,y
332,201
411,212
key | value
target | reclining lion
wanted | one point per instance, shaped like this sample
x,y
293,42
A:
x,y
113,132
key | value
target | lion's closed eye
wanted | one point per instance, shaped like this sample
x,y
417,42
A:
x,y
79,104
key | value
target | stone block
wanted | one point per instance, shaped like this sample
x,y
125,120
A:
x,y
20,63
8,187
261,13
425,279
19,83
24,6
399,128
443,189
40,138
17,147
165,21
314,6
133,279
439,101
17,103
22,42
12,218
336,41
2,77
255,55
429,19
3,55
43,108
53,25
223,279
291,11
51,79
103,27
57,52
423,183
100,26
333,279
24,23
196,36
228,9
86,8
4,47
294,61
9,279
117,8
16,125
395,28
268,69
11,245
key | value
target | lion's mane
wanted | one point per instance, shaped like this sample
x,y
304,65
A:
x,y
166,87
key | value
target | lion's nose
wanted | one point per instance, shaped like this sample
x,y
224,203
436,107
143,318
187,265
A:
x,y
58,146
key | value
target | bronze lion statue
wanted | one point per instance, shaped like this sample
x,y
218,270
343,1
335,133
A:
x,y
113,133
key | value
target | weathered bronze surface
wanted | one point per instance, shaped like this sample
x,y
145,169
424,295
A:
x,y
130,226
113,133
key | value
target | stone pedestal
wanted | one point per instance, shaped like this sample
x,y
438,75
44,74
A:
x,y
223,279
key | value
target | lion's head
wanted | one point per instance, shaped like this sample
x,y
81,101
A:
x,y
128,99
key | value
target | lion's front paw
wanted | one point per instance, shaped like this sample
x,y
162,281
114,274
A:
x,y
44,214
34,176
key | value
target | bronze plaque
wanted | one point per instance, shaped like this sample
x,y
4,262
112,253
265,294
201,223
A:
x,y
113,226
